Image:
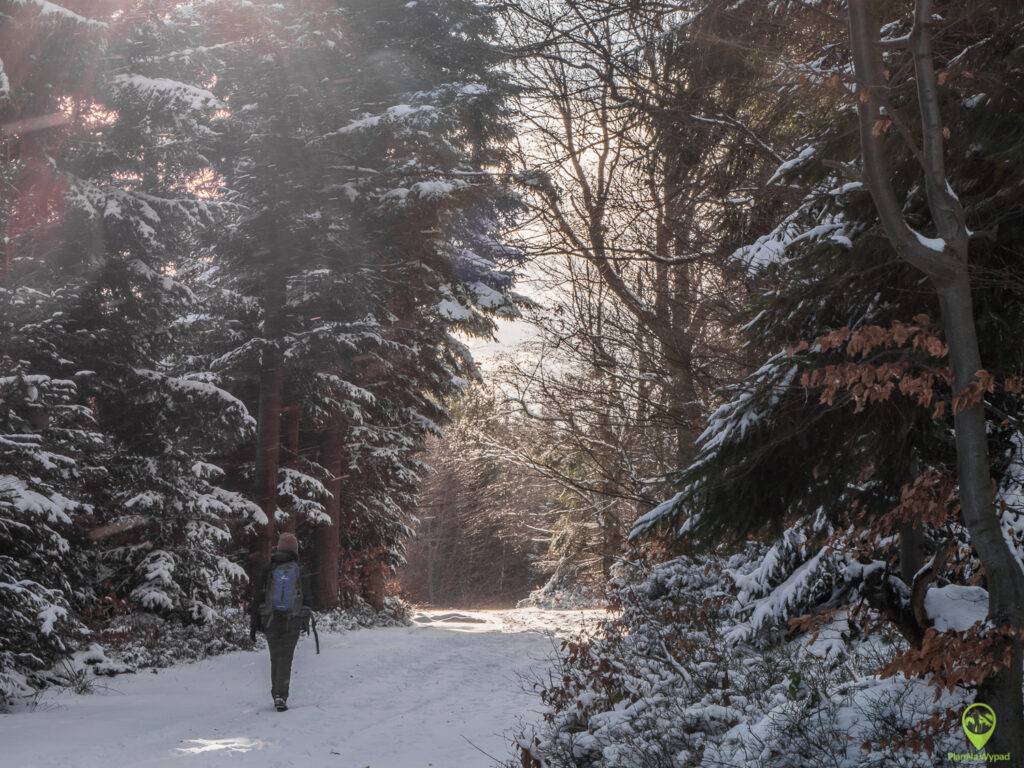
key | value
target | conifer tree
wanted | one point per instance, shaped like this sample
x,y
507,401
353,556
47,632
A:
x,y
48,439
114,208
46,442
370,230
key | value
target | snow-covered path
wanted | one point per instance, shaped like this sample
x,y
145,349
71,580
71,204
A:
x,y
405,697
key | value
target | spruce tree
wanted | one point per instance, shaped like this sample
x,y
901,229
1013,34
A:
x,y
47,443
806,456
368,228
115,207
429,119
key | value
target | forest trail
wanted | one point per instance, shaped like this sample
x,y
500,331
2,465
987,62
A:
x,y
404,697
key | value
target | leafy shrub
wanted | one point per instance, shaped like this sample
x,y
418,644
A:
x,y
671,682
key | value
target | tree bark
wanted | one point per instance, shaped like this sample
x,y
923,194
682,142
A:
x,y
682,397
611,543
376,576
913,552
1003,575
268,448
292,446
945,261
328,545
672,308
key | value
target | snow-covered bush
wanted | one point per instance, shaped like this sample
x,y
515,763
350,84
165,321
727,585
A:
x,y
166,537
361,615
145,640
553,597
79,671
42,432
678,680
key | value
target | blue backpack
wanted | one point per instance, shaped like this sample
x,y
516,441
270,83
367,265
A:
x,y
284,593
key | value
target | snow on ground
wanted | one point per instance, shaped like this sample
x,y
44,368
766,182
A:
x,y
548,622
404,697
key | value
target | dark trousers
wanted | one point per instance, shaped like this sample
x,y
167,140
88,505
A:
x,y
282,635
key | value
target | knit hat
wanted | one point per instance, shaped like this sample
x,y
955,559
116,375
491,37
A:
x,y
288,543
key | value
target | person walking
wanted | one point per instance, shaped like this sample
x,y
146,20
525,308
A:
x,y
281,607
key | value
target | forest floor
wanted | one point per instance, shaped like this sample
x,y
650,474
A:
x,y
437,694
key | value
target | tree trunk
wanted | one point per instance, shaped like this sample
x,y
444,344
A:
x,y
268,448
684,394
913,552
607,520
291,456
611,543
681,397
1003,574
376,572
328,544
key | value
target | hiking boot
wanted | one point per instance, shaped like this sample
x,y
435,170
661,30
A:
x,y
280,704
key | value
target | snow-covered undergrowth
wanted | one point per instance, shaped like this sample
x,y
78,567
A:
x,y
144,640
552,623
555,597
361,615
678,679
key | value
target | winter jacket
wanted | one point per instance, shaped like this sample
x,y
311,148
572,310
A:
x,y
262,582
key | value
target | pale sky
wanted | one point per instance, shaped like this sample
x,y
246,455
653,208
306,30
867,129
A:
x,y
510,333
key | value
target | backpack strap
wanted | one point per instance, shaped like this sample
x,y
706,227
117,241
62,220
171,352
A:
x,y
297,605
267,608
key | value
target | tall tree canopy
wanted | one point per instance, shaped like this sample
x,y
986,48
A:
x,y
241,243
